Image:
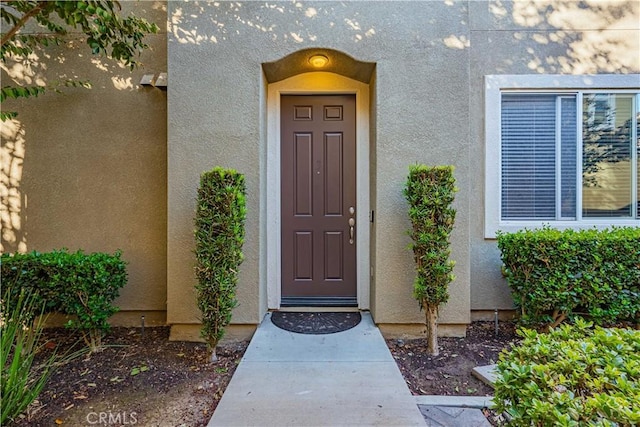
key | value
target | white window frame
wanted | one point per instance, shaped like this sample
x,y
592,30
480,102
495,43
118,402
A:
x,y
495,86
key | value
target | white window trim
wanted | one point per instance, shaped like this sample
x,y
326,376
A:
x,y
494,86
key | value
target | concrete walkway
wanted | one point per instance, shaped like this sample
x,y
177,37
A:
x,y
289,379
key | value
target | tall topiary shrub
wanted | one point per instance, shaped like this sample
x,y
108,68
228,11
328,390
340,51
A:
x,y
430,193
219,234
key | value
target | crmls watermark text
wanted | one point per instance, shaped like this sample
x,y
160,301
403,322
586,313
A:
x,y
112,418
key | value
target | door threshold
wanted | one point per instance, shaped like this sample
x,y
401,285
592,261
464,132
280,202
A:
x,y
319,302
324,309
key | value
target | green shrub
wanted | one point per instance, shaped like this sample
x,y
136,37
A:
x,y
81,285
219,235
554,274
572,376
430,193
22,380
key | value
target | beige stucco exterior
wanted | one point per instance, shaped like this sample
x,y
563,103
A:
x,y
86,169
118,166
404,127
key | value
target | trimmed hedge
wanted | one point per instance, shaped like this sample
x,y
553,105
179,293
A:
x,y
571,376
77,284
555,274
219,234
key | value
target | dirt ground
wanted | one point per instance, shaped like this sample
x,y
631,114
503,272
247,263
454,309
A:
x,y
449,373
137,379
146,380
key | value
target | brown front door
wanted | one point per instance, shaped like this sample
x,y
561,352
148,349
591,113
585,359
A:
x,y
318,188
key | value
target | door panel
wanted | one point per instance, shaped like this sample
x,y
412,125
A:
x,y
334,259
303,177
318,188
303,253
333,149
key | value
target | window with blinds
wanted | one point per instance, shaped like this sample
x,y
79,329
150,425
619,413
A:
x,y
569,156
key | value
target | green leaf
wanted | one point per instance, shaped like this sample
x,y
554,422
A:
x,y
106,31
138,369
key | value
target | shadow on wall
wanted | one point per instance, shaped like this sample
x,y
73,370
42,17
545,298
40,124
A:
x,y
557,26
592,33
182,23
12,217
48,67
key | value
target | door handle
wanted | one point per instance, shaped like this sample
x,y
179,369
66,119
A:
x,y
352,223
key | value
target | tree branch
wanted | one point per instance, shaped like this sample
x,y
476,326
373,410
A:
x,y
12,32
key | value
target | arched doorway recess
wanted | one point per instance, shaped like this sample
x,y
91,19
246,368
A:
x,y
294,75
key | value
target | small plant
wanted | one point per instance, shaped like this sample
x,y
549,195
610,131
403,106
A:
x,y
219,234
430,193
22,379
572,376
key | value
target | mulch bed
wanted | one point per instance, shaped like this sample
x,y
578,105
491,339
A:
x,y
138,377
449,373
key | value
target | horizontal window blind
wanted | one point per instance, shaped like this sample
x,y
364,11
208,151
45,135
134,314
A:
x,y
568,157
528,156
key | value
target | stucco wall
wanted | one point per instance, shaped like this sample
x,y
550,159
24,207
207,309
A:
x,y
216,116
421,117
86,169
117,166
427,106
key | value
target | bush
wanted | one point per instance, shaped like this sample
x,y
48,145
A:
x,y
430,193
219,235
22,380
76,284
555,274
572,376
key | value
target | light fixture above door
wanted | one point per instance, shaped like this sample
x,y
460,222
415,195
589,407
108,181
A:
x,y
318,61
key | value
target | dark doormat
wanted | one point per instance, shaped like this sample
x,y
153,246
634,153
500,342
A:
x,y
315,323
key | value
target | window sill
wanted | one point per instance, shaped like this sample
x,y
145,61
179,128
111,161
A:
x,y
514,226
